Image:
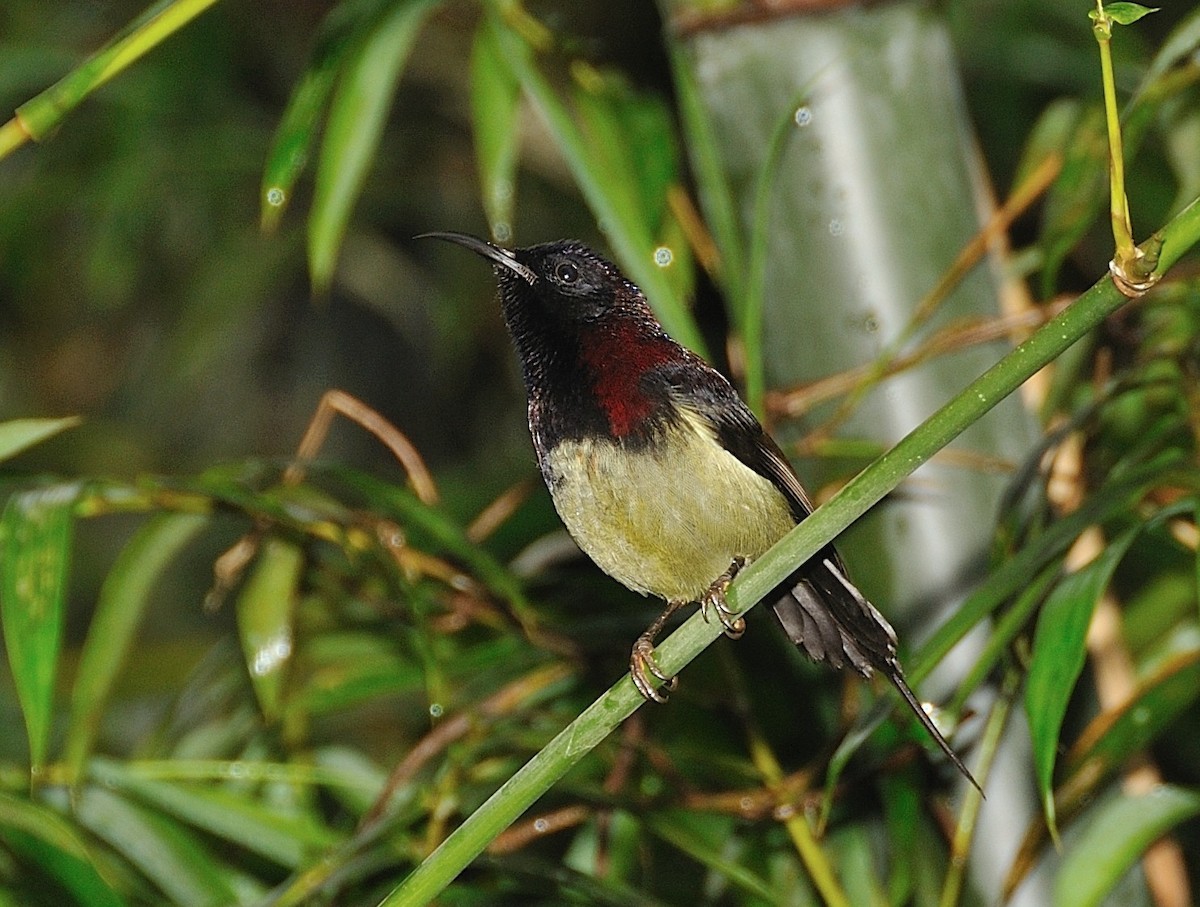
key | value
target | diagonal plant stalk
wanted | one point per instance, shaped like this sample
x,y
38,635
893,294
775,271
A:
x,y
757,580
38,116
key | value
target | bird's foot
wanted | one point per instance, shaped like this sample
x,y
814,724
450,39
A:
x,y
714,599
652,682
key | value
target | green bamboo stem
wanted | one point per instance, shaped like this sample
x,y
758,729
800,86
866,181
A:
x,y
868,487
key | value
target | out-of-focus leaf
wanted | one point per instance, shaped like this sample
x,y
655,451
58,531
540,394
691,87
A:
x,y
345,669
231,816
1051,134
297,129
46,839
123,600
1179,44
851,848
495,108
443,534
1013,575
1113,837
265,611
164,852
710,173
701,838
1072,202
357,114
35,550
17,435
607,193
1114,736
1182,137
1005,631
1059,651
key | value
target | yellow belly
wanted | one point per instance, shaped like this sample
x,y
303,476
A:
x,y
667,520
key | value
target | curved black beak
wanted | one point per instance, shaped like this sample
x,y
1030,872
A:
x,y
495,254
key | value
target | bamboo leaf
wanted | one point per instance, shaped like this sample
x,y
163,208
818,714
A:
x,y
1182,41
124,598
297,129
17,435
265,611
357,115
1114,836
1114,736
231,816
164,852
715,195
46,839
1059,652
495,109
701,840
35,550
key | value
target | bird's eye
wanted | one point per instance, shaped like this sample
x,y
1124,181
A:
x,y
565,272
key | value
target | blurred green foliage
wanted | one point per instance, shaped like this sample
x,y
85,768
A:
x,y
379,668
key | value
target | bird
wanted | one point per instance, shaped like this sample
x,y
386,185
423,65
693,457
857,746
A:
x,y
659,470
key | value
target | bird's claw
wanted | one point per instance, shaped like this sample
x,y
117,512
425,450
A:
x,y
643,667
714,599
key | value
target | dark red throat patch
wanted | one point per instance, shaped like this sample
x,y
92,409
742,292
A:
x,y
617,356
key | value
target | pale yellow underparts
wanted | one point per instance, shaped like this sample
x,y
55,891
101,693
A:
x,y
671,518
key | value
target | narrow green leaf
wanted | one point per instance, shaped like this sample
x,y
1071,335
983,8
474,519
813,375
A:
x,y
1012,576
710,173
42,836
17,435
1051,134
297,129
700,837
124,598
1114,836
163,851
35,550
495,107
1124,13
1183,40
1059,651
1077,194
357,115
265,611
231,816
1115,736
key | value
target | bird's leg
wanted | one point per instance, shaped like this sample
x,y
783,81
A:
x,y
642,666
714,598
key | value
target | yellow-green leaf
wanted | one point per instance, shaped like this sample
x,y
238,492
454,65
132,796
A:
x,y
35,549
17,435
356,117
495,106
265,610
123,600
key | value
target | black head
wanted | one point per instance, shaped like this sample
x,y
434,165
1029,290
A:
x,y
565,281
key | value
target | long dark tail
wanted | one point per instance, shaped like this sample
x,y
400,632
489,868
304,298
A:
x,y
826,616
